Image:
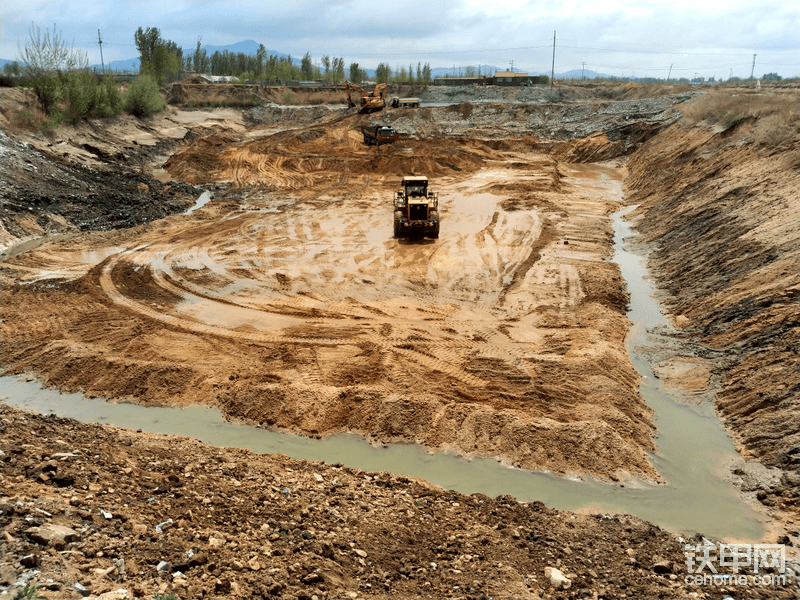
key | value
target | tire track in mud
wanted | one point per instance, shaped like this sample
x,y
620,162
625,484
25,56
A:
x,y
191,324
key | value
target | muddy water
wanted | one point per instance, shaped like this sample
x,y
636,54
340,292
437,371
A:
x,y
692,443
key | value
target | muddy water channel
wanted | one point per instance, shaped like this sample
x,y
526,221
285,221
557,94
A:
x,y
692,443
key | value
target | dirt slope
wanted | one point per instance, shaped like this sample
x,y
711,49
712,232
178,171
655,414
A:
x,y
719,206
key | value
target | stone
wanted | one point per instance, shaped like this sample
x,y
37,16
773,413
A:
x,y
163,566
51,533
662,567
557,578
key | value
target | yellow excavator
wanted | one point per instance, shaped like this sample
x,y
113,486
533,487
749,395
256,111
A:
x,y
370,101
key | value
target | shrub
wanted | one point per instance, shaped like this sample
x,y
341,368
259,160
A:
x,y
48,91
80,93
143,97
110,97
87,97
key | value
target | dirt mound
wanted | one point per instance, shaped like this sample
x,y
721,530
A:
x,y
317,155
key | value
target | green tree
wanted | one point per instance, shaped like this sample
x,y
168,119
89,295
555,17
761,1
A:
x,y
338,69
355,73
383,73
771,77
165,65
261,57
426,73
200,59
307,67
326,63
146,42
12,68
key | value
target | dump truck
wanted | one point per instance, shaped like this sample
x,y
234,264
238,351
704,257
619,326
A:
x,y
404,102
379,134
416,208
370,101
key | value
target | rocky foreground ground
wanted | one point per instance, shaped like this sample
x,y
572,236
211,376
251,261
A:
x,y
94,510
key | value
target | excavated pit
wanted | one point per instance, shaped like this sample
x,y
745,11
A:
x,y
285,303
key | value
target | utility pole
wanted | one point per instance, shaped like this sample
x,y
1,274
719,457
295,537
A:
x,y
670,73
753,68
583,66
553,66
102,62
512,66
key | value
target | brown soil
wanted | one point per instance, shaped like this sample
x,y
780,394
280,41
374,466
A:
x,y
504,338
285,302
721,217
242,525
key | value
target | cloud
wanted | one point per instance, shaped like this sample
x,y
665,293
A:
x,y
618,35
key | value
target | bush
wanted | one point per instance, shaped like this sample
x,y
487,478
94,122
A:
x,y
87,97
110,97
48,91
80,92
143,98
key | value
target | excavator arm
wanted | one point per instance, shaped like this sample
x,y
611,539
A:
x,y
369,101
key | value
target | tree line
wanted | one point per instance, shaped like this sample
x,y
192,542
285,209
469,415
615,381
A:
x,y
163,59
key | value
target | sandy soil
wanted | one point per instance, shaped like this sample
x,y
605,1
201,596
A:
x,y
286,302
294,307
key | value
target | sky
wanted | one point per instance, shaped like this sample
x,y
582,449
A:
x,y
622,38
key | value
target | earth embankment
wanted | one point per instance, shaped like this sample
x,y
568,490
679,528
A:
x,y
718,206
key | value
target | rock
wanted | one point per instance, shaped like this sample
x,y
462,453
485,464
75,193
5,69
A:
x,y
361,553
8,574
557,578
63,479
140,530
662,567
31,561
311,578
50,533
163,566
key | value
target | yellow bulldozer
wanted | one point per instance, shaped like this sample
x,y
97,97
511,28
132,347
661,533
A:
x,y
370,101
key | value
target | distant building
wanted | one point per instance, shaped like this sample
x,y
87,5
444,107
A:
x,y
460,81
513,78
220,78
507,78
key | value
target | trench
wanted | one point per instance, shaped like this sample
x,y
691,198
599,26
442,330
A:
x,y
692,444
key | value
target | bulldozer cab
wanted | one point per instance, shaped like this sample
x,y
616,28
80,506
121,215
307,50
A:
x,y
415,187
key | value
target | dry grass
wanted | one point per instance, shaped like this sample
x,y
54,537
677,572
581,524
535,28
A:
x,y
774,117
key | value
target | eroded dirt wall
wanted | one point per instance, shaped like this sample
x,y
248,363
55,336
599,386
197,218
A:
x,y
721,209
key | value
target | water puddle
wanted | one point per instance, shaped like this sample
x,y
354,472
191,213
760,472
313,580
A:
x,y
202,200
692,443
